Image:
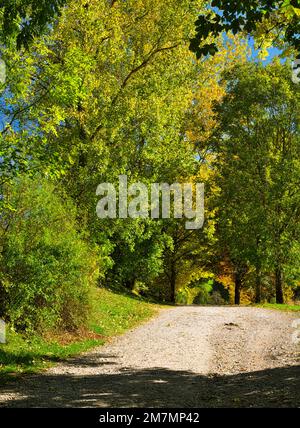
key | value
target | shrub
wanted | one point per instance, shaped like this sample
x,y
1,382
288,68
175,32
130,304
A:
x,y
46,269
203,293
183,296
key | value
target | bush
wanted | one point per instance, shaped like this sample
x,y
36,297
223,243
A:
x,y
46,269
183,296
203,293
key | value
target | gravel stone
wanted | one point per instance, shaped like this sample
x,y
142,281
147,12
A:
x,y
190,356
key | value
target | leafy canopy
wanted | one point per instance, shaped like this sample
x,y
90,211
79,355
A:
x,y
270,21
25,19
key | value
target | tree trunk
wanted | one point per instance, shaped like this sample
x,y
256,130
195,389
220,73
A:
x,y
173,284
278,285
258,285
237,288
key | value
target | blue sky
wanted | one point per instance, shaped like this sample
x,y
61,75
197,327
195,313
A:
x,y
273,52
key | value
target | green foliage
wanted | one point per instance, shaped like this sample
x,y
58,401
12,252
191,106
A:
x,y
112,88
47,270
257,142
292,308
136,250
22,20
112,314
203,292
267,20
182,296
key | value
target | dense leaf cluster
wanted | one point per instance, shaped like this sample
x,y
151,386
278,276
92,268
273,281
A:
x,y
246,17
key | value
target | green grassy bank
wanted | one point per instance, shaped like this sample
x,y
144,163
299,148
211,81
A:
x,y
294,308
113,314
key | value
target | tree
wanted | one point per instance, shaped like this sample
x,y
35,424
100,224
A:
x,y
22,20
258,170
47,270
268,21
104,97
203,121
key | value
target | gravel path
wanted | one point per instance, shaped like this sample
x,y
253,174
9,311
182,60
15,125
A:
x,y
186,357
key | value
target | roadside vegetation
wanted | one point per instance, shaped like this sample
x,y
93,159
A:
x,y
98,89
113,314
291,308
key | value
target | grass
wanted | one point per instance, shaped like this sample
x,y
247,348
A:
x,y
113,315
294,308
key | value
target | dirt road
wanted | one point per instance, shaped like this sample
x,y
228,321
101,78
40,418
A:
x,y
186,357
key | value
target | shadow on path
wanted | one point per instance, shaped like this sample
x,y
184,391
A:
x,y
159,387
